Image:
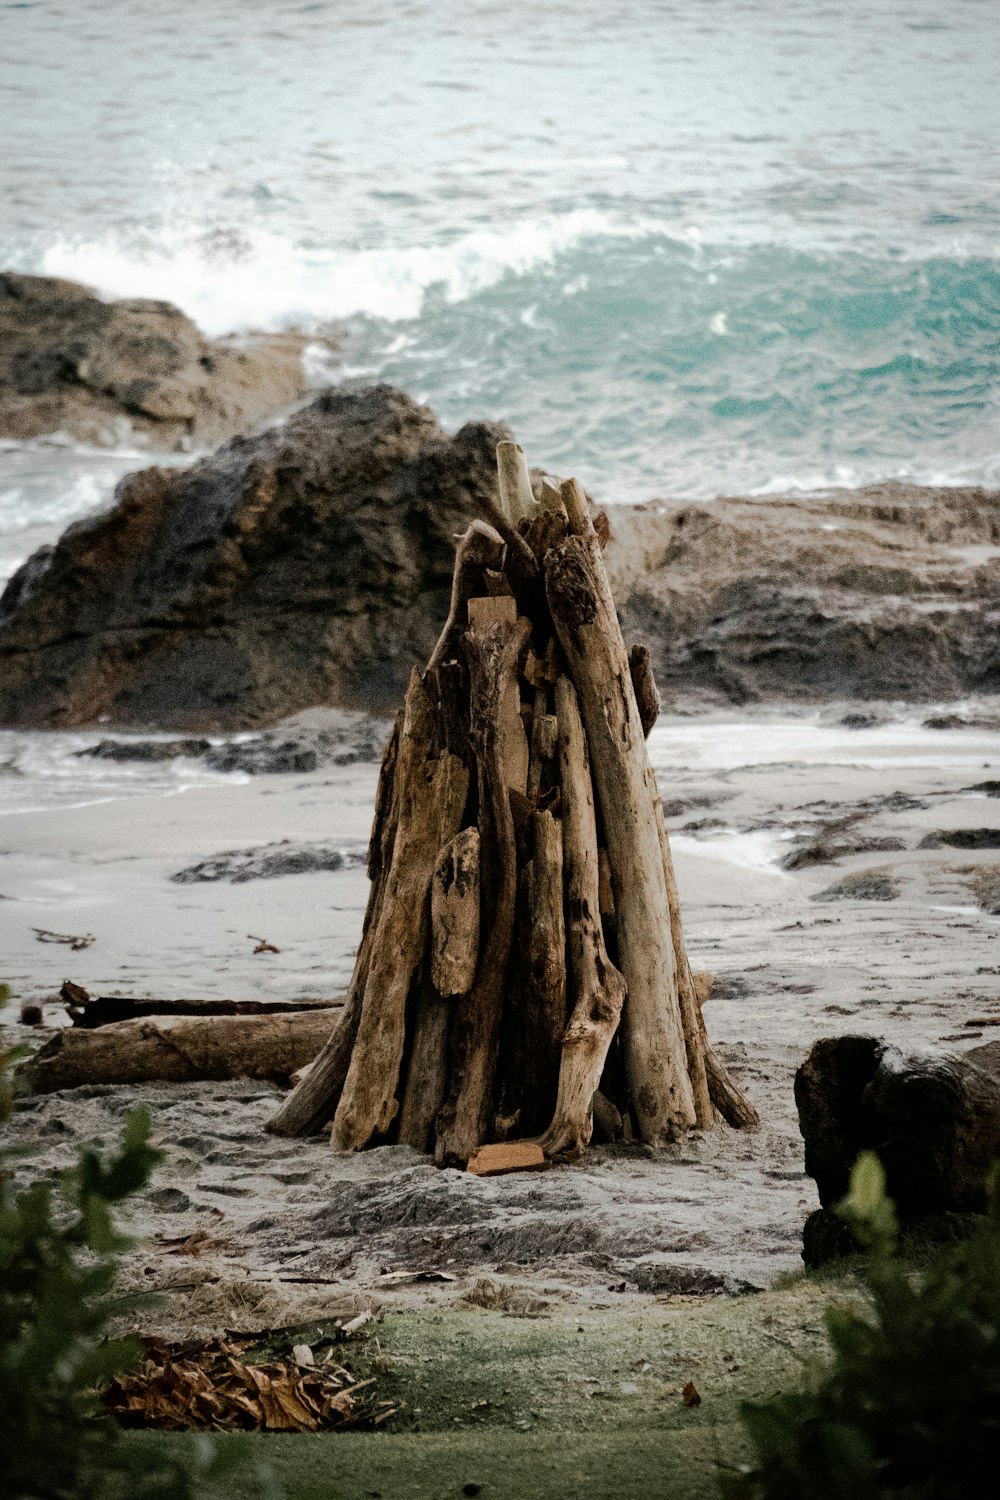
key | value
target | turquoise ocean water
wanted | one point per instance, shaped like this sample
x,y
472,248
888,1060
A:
x,y
686,247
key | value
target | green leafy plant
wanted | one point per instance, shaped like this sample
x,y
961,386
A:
x,y
910,1406
59,1252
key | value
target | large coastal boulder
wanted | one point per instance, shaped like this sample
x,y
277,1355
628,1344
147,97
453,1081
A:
x,y
105,372
887,592
310,564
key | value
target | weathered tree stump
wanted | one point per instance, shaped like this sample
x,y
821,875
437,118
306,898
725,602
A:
x,y
522,953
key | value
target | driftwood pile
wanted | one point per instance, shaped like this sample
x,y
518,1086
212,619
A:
x,y
522,966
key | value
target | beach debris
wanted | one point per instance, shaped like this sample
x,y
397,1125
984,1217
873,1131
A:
x,y
397,1278
218,1385
77,944
690,1395
179,1049
523,944
263,946
199,1242
509,1156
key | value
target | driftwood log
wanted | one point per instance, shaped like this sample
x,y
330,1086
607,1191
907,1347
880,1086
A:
x,y
103,1010
522,953
181,1049
933,1119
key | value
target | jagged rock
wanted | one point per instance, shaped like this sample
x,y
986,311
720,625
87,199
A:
x,y
310,564
861,594
145,752
105,371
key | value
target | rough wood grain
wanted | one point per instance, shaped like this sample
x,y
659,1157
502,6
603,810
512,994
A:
x,y
179,1049
542,1019
313,1101
427,1067
514,483
583,610
596,986
492,653
103,1010
455,914
433,788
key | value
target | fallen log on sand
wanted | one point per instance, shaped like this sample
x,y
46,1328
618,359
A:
x,y
522,947
180,1049
102,1010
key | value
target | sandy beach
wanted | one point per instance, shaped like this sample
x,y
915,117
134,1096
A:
x,y
90,847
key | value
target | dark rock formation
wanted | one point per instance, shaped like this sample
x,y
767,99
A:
x,y
298,746
860,594
933,1120
861,885
269,861
961,838
311,564
100,371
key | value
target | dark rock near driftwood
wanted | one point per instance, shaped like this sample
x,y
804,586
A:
x,y
310,564
269,861
933,1119
862,885
106,371
962,838
145,752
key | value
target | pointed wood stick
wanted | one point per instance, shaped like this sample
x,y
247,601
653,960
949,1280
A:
x,y
313,1102
711,1082
544,964
597,988
433,792
427,1070
492,654
583,609
516,499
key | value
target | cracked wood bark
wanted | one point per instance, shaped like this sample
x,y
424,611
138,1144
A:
x,y
492,652
314,1100
597,987
179,1049
454,949
427,1067
432,794
537,1040
582,607
455,914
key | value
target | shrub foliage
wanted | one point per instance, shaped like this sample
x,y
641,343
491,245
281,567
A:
x,y
910,1406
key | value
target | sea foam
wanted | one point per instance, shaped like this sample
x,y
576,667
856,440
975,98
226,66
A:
x,y
263,280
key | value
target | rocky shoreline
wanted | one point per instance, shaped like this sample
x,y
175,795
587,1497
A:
x,y
105,373
309,564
